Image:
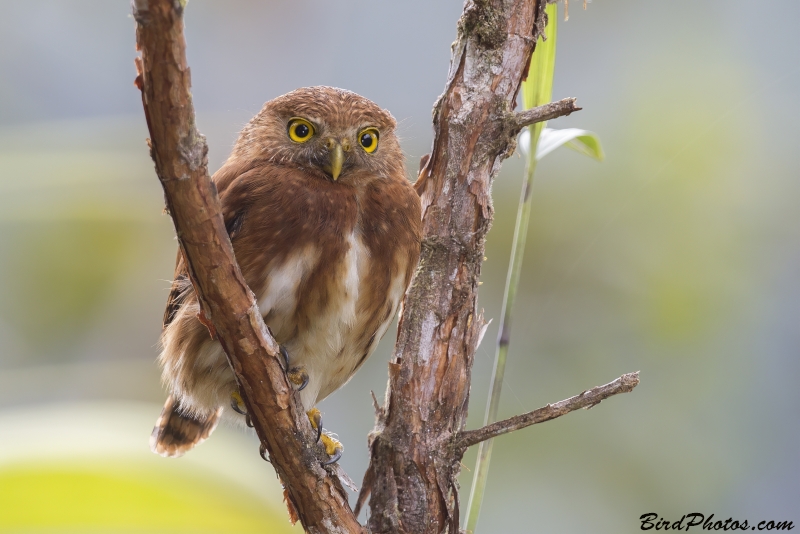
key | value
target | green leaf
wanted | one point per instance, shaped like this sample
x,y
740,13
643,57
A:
x,y
537,89
583,141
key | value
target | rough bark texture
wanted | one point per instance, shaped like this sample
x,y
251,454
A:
x,y
229,307
414,466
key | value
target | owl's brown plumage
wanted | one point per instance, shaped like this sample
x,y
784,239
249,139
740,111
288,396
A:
x,y
326,229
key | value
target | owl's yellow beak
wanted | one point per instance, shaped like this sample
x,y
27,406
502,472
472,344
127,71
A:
x,y
337,159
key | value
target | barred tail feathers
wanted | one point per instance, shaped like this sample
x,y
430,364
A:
x,y
177,432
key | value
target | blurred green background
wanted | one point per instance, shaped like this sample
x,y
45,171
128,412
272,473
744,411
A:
x,y
678,256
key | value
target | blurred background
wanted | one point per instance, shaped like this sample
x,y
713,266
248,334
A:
x,y
678,256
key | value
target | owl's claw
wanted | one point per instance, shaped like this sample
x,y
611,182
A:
x,y
262,450
298,376
237,403
315,418
333,448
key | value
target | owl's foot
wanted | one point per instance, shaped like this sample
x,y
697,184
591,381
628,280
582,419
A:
x,y
315,418
237,403
262,450
333,447
296,375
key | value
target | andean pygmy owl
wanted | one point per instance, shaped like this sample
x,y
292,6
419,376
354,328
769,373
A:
x,y
326,229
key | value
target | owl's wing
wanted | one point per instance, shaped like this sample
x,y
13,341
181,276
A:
x,y
177,292
181,285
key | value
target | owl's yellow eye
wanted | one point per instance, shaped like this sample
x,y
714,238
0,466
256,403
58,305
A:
x,y
300,130
368,139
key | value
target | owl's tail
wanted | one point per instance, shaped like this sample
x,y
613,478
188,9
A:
x,y
177,432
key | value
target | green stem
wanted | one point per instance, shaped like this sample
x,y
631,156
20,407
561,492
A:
x,y
537,90
512,283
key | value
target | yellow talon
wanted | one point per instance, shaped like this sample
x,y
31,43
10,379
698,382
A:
x,y
298,376
332,445
315,417
237,403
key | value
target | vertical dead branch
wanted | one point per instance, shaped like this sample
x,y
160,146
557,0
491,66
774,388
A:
x,y
179,153
414,465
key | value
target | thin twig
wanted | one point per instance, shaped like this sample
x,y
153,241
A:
x,y
559,108
587,399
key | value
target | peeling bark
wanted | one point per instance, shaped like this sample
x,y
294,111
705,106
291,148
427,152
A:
x,y
228,306
413,471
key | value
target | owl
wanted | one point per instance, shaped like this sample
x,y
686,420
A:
x,y
326,229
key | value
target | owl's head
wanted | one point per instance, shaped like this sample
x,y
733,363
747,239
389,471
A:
x,y
328,132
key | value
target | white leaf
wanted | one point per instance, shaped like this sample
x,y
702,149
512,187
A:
x,y
583,141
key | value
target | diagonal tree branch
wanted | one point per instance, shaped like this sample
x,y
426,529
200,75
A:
x,y
587,399
179,153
